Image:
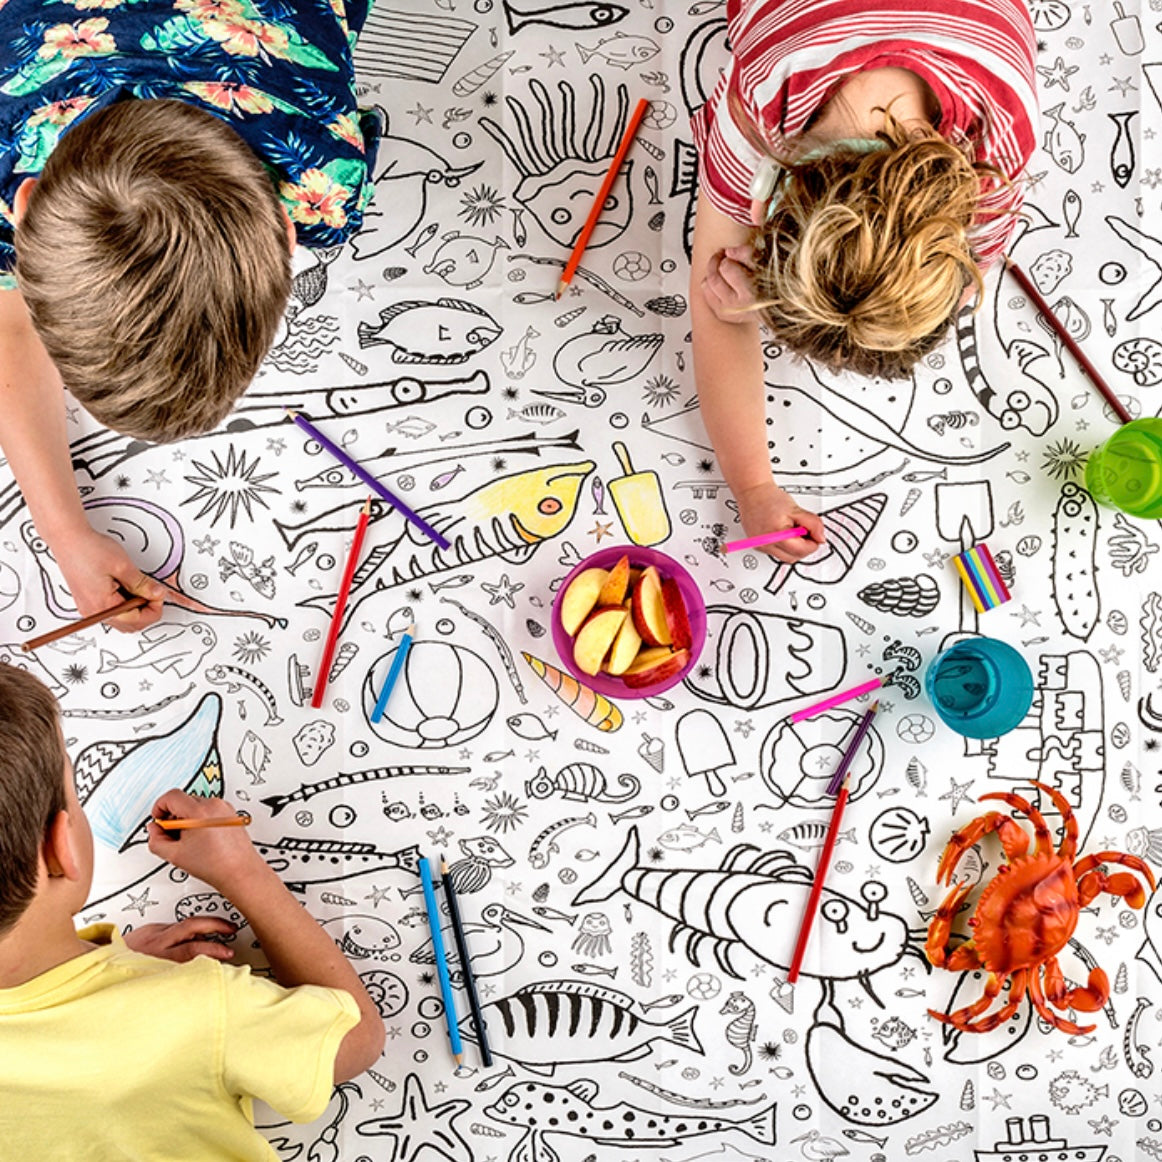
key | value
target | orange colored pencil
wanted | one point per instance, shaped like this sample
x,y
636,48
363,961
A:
x,y
242,819
635,119
340,606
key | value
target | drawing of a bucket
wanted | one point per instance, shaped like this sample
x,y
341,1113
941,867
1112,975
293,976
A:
x,y
753,659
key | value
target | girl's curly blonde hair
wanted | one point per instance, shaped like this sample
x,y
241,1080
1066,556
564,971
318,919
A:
x,y
865,256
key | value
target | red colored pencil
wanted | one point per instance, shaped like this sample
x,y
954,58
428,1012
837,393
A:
x,y
341,605
817,883
599,202
1030,288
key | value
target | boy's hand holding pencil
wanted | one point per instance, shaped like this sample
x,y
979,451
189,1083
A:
x,y
99,574
214,846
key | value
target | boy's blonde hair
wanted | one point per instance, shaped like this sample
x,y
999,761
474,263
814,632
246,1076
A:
x,y
866,255
154,260
32,785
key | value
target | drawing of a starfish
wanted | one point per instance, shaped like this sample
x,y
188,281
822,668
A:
x,y
957,793
418,1126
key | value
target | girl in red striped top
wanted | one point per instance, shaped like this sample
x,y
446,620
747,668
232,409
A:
x,y
858,173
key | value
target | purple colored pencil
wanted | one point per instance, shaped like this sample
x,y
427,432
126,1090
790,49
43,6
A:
x,y
371,482
852,747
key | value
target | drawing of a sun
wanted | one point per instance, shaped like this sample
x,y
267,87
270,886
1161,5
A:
x,y
229,487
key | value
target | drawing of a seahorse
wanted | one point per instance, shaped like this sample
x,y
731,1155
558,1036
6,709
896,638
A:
x,y
740,1032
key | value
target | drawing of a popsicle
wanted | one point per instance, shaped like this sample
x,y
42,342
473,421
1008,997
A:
x,y
637,496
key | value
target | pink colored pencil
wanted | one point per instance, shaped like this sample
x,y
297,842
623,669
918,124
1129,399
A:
x,y
837,700
764,539
341,605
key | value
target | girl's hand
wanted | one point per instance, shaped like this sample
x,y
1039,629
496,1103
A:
x,y
766,508
184,940
728,285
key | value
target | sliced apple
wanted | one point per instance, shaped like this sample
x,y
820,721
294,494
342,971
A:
x,y
625,646
616,584
653,666
578,600
649,611
677,620
595,637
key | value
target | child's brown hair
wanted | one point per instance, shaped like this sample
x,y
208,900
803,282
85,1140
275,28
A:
x,y
866,255
32,785
154,260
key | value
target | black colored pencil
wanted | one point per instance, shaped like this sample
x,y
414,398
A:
x,y
465,963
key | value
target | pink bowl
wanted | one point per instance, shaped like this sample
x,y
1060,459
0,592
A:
x,y
607,684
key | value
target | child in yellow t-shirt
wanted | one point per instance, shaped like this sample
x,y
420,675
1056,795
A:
x,y
151,1046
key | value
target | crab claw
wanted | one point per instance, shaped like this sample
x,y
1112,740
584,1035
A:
x,y
860,1085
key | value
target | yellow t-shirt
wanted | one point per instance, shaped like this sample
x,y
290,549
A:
x,y
117,1055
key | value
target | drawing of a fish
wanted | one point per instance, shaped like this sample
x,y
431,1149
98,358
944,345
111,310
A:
x,y
569,1109
445,331
621,51
687,838
1063,143
176,648
569,1021
810,835
320,861
508,518
575,14
277,803
530,727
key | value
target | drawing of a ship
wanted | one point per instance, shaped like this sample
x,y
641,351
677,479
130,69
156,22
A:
x,y
1035,1145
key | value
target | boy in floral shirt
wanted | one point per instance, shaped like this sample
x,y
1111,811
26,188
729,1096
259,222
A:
x,y
159,159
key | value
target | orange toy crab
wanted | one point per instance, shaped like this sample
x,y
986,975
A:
x,y
1026,915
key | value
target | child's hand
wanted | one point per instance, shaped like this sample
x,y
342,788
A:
x,y
728,286
766,508
184,940
215,855
99,574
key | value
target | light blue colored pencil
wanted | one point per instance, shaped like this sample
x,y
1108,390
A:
x,y
401,653
441,962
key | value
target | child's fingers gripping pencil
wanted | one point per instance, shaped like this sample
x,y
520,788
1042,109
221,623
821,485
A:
x,y
130,603
242,819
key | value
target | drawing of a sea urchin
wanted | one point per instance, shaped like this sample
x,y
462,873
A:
x,y
504,812
1064,459
226,488
482,206
660,391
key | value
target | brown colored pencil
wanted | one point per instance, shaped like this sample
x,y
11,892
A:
x,y
242,819
1030,288
134,602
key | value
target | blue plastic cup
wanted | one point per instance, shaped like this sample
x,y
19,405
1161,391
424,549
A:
x,y
980,687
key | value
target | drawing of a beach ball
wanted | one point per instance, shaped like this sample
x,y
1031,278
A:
x,y
444,696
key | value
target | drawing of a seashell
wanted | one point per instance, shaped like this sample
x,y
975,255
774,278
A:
x,y
906,596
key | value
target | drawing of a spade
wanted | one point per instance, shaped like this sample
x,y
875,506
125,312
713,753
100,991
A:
x,y
964,515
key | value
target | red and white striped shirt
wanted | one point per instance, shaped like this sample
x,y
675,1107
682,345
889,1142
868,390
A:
x,y
791,56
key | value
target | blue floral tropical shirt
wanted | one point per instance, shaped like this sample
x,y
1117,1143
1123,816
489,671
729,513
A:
x,y
279,72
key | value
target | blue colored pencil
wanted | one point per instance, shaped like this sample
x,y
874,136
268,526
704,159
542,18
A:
x,y
401,653
441,961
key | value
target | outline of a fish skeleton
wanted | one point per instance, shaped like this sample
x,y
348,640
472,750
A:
x,y
495,535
